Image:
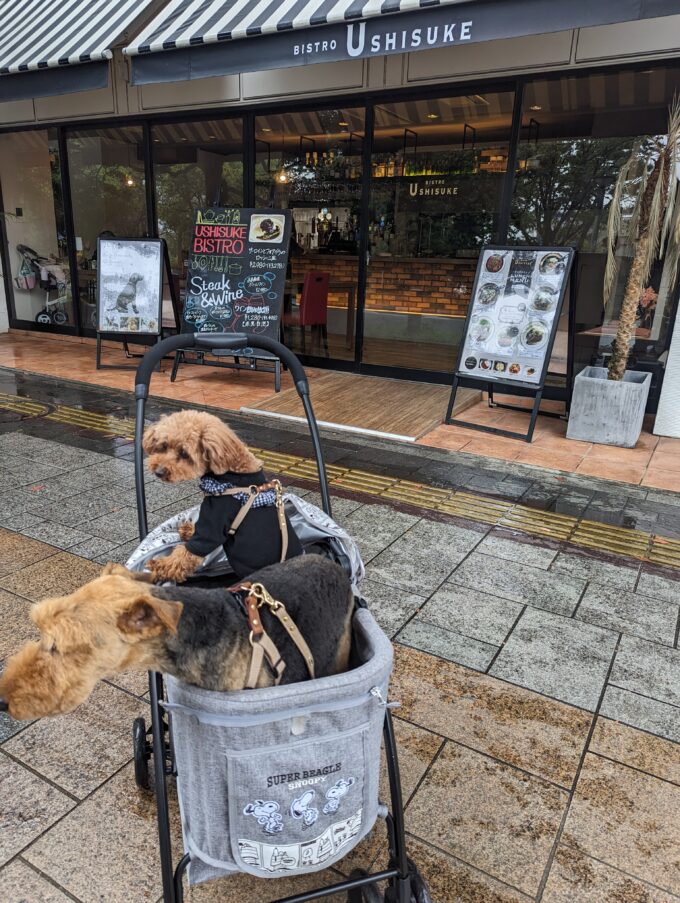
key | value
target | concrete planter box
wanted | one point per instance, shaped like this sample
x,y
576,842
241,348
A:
x,y
606,411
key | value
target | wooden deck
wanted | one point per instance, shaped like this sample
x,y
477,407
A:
x,y
369,404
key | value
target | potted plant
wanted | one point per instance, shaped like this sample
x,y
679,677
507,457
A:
x,y
608,403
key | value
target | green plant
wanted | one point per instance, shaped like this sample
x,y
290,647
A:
x,y
646,200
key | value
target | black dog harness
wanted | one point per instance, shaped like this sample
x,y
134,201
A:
x,y
251,597
252,497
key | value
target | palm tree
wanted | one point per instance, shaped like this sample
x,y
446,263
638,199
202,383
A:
x,y
647,189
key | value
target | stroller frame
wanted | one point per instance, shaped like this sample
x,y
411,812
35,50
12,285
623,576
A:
x,y
402,875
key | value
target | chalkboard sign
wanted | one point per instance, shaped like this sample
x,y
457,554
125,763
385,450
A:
x,y
129,285
237,271
513,314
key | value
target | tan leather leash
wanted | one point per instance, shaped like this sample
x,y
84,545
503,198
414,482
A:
x,y
262,644
253,492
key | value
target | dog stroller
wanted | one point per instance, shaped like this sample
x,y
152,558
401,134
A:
x,y
284,780
50,276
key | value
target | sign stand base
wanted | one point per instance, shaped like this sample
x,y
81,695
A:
x,y
510,434
199,359
128,354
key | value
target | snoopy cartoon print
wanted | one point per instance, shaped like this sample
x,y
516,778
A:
x,y
335,794
302,808
267,813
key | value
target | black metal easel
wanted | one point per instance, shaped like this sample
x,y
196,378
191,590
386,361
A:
x,y
515,387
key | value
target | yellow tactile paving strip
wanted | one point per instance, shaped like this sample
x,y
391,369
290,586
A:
x,y
458,503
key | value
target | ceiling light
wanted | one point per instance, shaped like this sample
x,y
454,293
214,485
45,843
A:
x,y
432,116
282,177
265,130
535,108
211,137
130,181
341,122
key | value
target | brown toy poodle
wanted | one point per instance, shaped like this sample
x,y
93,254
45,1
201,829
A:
x,y
190,445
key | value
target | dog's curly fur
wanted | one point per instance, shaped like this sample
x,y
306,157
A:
x,y
116,623
185,446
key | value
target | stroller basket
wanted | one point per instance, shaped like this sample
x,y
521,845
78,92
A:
x,y
282,780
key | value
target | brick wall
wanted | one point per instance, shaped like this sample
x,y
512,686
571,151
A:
x,y
404,284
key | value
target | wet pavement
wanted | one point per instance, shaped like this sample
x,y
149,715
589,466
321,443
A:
x,y
538,679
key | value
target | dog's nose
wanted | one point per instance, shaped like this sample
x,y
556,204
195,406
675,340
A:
x,y
161,472
4,705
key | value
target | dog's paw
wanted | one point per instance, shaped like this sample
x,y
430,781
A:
x,y
186,530
161,569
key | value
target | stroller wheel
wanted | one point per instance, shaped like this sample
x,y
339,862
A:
x,y
93,319
141,753
420,892
44,317
369,893
60,317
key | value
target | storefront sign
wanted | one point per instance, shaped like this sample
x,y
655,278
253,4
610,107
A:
x,y
129,285
514,312
446,25
237,271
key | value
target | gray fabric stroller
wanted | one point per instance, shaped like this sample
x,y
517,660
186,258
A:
x,y
283,780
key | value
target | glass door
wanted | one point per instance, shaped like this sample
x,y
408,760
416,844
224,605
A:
x,y
437,172
106,170
310,163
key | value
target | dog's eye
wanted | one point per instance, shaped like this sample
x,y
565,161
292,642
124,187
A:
x,y
162,447
184,455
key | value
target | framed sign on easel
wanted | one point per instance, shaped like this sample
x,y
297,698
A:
x,y
510,328
235,283
131,275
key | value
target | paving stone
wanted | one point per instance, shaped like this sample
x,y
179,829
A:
x,y
28,806
57,534
471,613
648,669
16,628
241,888
447,644
636,748
521,552
390,606
375,527
21,884
89,852
341,506
558,657
93,546
80,509
9,727
509,723
56,576
18,520
490,815
520,583
119,554
118,526
17,551
585,567
424,556
627,819
81,750
660,587
631,613
577,878
647,714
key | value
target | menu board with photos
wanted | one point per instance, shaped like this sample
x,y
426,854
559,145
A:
x,y
237,271
514,312
129,285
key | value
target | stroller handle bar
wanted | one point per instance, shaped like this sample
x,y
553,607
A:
x,y
237,342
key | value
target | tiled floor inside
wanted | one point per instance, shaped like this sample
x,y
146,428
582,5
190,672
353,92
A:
x,y
538,684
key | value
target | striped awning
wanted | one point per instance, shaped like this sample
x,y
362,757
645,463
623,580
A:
x,y
51,47
193,39
45,34
186,23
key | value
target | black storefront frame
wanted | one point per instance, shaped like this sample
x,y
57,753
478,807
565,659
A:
x,y
247,114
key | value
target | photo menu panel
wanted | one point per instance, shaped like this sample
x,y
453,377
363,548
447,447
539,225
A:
x,y
514,310
237,271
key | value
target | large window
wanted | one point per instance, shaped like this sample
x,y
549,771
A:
x,y
106,168
196,164
34,222
436,180
577,132
310,163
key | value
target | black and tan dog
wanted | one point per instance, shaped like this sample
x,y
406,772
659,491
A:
x,y
201,636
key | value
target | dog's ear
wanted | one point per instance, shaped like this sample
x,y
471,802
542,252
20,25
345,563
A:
x,y
148,616
224,451
150,438
119,570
